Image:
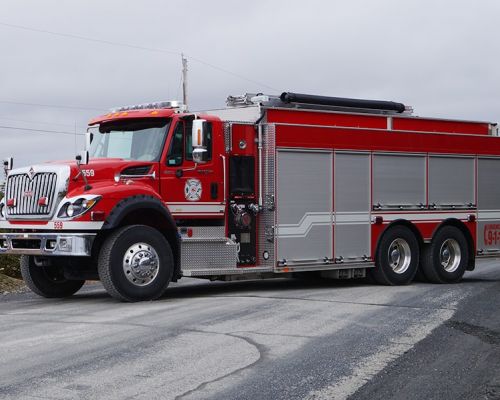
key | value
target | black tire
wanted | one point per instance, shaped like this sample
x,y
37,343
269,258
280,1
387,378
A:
x,y
389,270
433,267
112,263
47,281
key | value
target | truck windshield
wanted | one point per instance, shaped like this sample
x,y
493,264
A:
x,y
133,139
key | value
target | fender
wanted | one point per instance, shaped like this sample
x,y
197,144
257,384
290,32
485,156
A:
x,y
133,203
129,210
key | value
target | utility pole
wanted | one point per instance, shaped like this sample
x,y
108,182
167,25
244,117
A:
x,y
184,80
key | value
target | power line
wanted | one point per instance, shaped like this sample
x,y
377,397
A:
x,y
113,43
89,39
231,73
41,130
35,122
50,105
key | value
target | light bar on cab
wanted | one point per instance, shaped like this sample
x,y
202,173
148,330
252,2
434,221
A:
x,y
152,106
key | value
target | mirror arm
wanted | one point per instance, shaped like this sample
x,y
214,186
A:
x,y
80,173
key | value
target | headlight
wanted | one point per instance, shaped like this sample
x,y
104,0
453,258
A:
x,y
76,207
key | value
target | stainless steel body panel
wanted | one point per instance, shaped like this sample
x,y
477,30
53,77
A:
x,y
488,204
488,187
399,181
267,216
352,206
452,181
208,254
304,205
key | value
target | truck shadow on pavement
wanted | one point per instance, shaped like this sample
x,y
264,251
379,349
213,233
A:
x,y
202,288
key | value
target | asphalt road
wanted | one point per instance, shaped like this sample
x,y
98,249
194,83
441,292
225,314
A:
x,y
280,339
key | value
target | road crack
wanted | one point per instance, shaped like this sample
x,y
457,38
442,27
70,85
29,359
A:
x,y
261,349
341,302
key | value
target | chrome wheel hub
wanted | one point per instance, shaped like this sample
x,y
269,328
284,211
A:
x,y
141,264
399,256
450,255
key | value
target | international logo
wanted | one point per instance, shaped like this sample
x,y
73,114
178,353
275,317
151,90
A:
x,y
31,173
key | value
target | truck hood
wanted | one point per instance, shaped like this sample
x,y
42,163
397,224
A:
x,y
101,172
106,169
54,181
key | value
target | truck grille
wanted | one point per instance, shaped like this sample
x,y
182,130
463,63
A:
x,y
26,194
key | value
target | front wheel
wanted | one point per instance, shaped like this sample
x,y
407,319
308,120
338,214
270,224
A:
x,y
397,257
47,280
136,263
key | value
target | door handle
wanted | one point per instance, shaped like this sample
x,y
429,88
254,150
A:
x,y
224,175
179,173
214,190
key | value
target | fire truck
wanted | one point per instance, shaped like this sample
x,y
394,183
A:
x,y
269,186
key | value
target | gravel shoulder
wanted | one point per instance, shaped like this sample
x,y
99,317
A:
x,y
10,285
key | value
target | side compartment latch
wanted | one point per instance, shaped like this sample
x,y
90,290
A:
x,y
269,233
269,202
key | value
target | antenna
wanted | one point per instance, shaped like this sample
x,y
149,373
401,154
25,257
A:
x,y
184,80
75,138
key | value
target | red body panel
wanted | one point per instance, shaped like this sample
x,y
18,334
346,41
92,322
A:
x,y
393,141
432,125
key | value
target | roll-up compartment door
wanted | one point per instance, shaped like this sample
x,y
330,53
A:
x,y
488,204
304,206
352,206
452,182
399,181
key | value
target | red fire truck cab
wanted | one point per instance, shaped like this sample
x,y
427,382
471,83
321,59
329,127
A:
x,y
268,186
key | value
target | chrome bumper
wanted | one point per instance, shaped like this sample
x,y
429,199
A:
x,y
47,244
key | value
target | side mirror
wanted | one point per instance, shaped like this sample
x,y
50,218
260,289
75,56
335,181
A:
x,y
82,158
199,140
7,164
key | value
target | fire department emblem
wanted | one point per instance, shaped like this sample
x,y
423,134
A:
x,y
31,173
192,190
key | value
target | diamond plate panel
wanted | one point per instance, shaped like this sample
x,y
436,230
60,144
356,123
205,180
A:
x,y
267,216
205,232
208,254
227,136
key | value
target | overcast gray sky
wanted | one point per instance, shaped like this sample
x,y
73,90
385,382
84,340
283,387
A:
x,y
441,57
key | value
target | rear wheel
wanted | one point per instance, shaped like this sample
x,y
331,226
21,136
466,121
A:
x,y
445,259
136,263
47,280
397,257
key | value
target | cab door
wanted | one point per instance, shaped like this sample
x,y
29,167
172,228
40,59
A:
x,y
193,190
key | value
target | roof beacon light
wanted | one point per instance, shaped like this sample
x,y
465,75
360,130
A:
x,y
172,104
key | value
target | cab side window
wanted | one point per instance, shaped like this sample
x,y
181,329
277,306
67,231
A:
x,y
175,151
189,142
